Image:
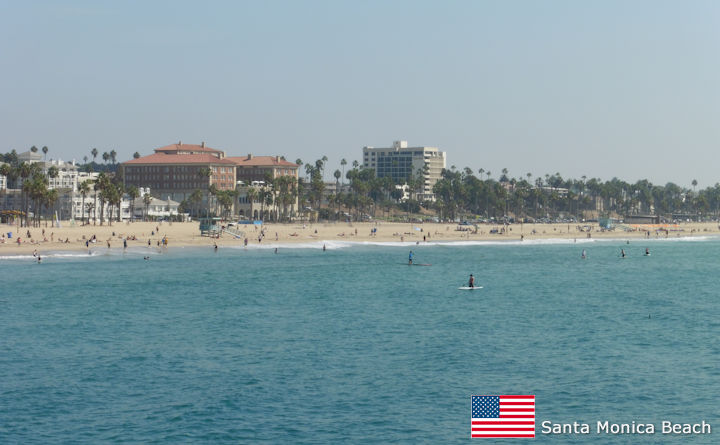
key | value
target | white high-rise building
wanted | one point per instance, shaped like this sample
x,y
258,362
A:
x,y
401,162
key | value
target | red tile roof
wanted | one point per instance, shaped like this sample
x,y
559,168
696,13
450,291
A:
x,y
162,158
261,161
186,147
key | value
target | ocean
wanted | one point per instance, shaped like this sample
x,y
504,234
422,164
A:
x,y
352,345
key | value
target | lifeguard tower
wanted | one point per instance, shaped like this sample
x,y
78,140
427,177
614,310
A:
x,y
210,227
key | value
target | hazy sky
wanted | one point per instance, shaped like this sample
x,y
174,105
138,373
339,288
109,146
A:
x,y
597,88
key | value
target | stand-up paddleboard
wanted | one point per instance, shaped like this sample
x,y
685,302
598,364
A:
x,y
469,288
417,264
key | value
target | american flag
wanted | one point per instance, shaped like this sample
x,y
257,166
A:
x,y
503,416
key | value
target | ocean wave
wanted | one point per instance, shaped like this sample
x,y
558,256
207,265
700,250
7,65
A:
x,y
329,245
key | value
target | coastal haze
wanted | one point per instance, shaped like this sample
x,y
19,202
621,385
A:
x,y
610,89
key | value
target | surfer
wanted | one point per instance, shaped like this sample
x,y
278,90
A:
x,y
471,282
324,248
215,247
410,258
647,252
584,254
622,253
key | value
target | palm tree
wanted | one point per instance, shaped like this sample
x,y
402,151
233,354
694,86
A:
x,y
694,184
195,199
84,189
89,207
85,158
136,155
26,170
49,199
106,157
252,197
133,194
45,150
205,174
337,175
34,149
94,152
53,172
213,191
147,199
101,186
113,156
343,163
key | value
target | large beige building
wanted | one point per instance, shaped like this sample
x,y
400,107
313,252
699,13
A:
x,y
251,172
401,162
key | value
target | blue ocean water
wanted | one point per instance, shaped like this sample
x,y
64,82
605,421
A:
x,y
352,345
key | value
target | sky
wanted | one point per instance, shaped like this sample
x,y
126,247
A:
x,y
594,88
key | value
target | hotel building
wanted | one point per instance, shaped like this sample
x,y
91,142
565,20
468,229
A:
x,y
174,171
400,162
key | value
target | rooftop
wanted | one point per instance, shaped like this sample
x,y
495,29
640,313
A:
x,y
192,148
163,158
263,161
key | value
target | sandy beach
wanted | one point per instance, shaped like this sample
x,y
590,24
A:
x,y
141,234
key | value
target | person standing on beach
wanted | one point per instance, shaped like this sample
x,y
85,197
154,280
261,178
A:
x,y
410,258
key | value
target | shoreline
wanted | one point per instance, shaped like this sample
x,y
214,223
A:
x,y
149,235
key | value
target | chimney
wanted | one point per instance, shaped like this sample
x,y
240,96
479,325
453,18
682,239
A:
x,y
202,144
277,158
249,156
